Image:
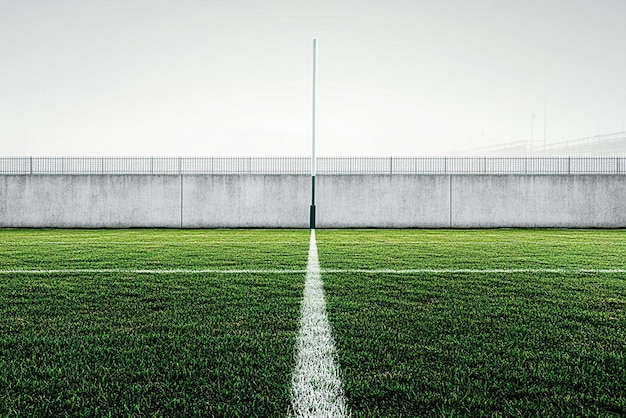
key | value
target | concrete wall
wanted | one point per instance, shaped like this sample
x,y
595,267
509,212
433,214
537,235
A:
x,y
574,201
168,201
83,201
472,201
382,201
270,201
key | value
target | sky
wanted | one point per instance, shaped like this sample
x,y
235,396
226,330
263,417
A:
x,y
395,77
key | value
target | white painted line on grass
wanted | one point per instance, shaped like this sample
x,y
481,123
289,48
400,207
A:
x,y
152,271
150,243
534,243
296,271
468,270
316,386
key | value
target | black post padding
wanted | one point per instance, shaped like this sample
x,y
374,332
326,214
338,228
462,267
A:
x,y
312,216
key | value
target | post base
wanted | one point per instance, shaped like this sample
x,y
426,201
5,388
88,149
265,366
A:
x,y
312,217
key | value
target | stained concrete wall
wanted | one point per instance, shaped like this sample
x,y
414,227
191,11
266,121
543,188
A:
x,y
383,201
167,201
261,201
472,201
380,201
84,201
576,201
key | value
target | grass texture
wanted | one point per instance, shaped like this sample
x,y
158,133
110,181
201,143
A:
x,y
153,249
478,344
148,345
213,344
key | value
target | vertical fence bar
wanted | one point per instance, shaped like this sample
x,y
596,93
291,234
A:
x,y
569,164
526,165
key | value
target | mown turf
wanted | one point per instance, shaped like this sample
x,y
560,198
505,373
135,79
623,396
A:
x,y
148,345
472,249
428,344
153,249
435,344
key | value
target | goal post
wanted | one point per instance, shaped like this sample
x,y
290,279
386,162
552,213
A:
x,y
313,160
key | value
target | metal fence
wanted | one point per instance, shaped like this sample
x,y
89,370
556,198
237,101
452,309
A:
x,y
302,165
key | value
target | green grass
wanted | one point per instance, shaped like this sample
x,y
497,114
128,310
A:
x,y
473,249
148,345
211,344
433,344
153,249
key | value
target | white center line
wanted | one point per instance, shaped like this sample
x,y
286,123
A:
x,y
316,385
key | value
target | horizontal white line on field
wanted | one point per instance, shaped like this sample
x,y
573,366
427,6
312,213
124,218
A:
x,y
154,271
208,243
534,243
302,271
453,271
99,241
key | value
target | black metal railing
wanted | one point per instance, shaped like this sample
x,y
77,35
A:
x,y
302,165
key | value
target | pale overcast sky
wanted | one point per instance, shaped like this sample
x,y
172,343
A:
x,y
396,77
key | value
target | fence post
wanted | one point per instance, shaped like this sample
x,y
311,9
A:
x,y
390,165
569,165
31,166
526,165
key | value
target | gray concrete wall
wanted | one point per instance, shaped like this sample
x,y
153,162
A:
x,y
576,201
167,201
84,201
381,201
258,201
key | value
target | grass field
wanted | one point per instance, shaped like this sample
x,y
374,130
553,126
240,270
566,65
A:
x,y
129,344
204,322
479,343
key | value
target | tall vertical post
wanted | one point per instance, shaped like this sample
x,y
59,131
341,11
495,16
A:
x,y
545,121
313,160
532,122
